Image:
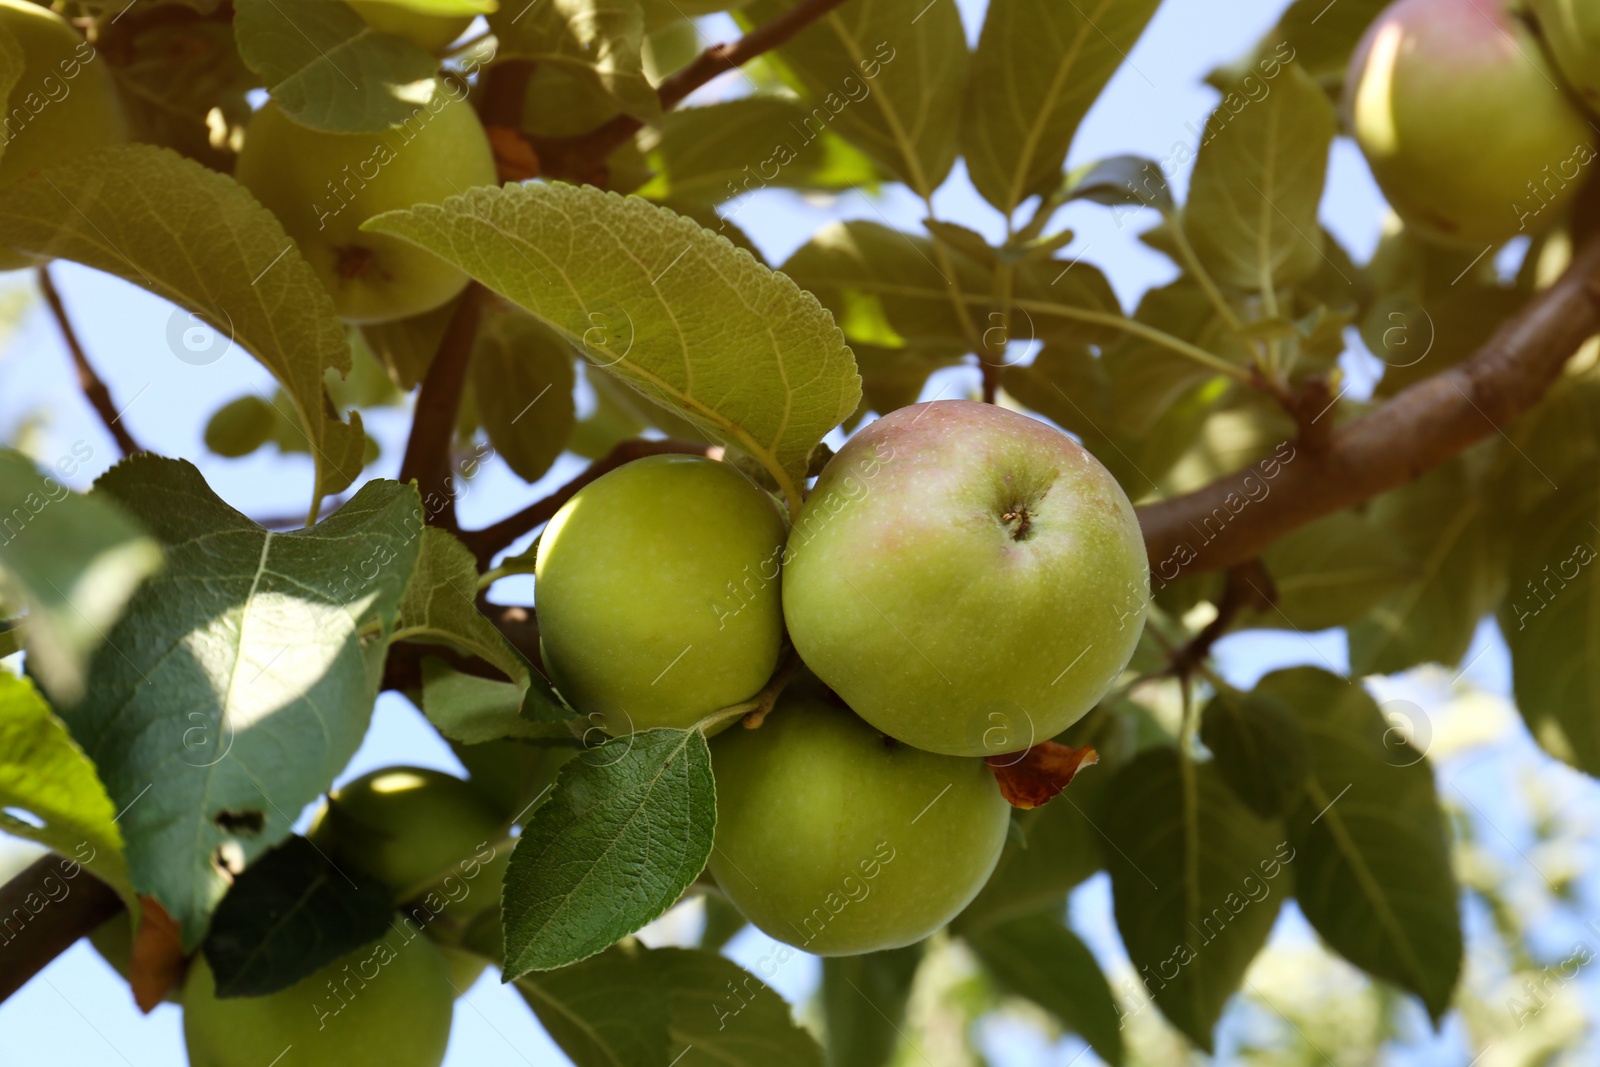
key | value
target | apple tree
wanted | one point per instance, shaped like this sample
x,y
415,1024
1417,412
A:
x,y
801,651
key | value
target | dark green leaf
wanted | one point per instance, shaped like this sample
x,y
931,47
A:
x,y
864,1004
522,381
1252,210
1193,877
1456,555
627,829
715,153
291,914
1372,858
1039,959
1121,181
607,1011
1039,67
1332,572
1548,622
890,73
327,69
1259,749
241,679
723,1016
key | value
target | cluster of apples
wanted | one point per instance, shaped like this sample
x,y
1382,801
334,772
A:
x,y
962,582
1460,109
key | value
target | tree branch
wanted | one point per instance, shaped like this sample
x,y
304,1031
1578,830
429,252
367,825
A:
x,y
94,389
54,922
582,158
1415,431
490,540
427,459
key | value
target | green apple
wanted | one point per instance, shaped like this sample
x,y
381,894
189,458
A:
x,y
323,186
385,1005
657,592
64,105
832,838
1571,30
1462,122
410,827
431,32
968,579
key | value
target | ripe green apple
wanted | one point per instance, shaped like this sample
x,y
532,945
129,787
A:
x,y
323,186
1462,122
832,838
408,827
968,579
1571,29
431,32
388,1004
64,105
657,591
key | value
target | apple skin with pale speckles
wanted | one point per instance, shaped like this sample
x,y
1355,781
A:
x,y
834,839
968,579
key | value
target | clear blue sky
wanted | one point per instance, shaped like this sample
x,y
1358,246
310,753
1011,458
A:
x,y
79,1012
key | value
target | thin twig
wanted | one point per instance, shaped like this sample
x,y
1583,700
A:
x,y
427,459
1246,586
490,540
94,389
50,929
580,158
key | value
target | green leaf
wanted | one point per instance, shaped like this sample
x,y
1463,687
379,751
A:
x,y
1548,620
1121,181
1259,749
241,679
627,829
473,710
1372,858
747,1024
73,561
1252,210
1418,340
445,7
890,75
198,239
292,913
1147,379
327,69
1457,558
241,426
887,288
1193,878
1068,385
1039,67
406,347
665,305
440,607
522,380
606,1011
1332,572
44,773
596,41
1056,847
1039,959
864,1003
720,151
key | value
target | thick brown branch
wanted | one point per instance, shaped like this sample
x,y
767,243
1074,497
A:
x,y
485,543
582,158
94,389
1232,520
54,909
433,426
